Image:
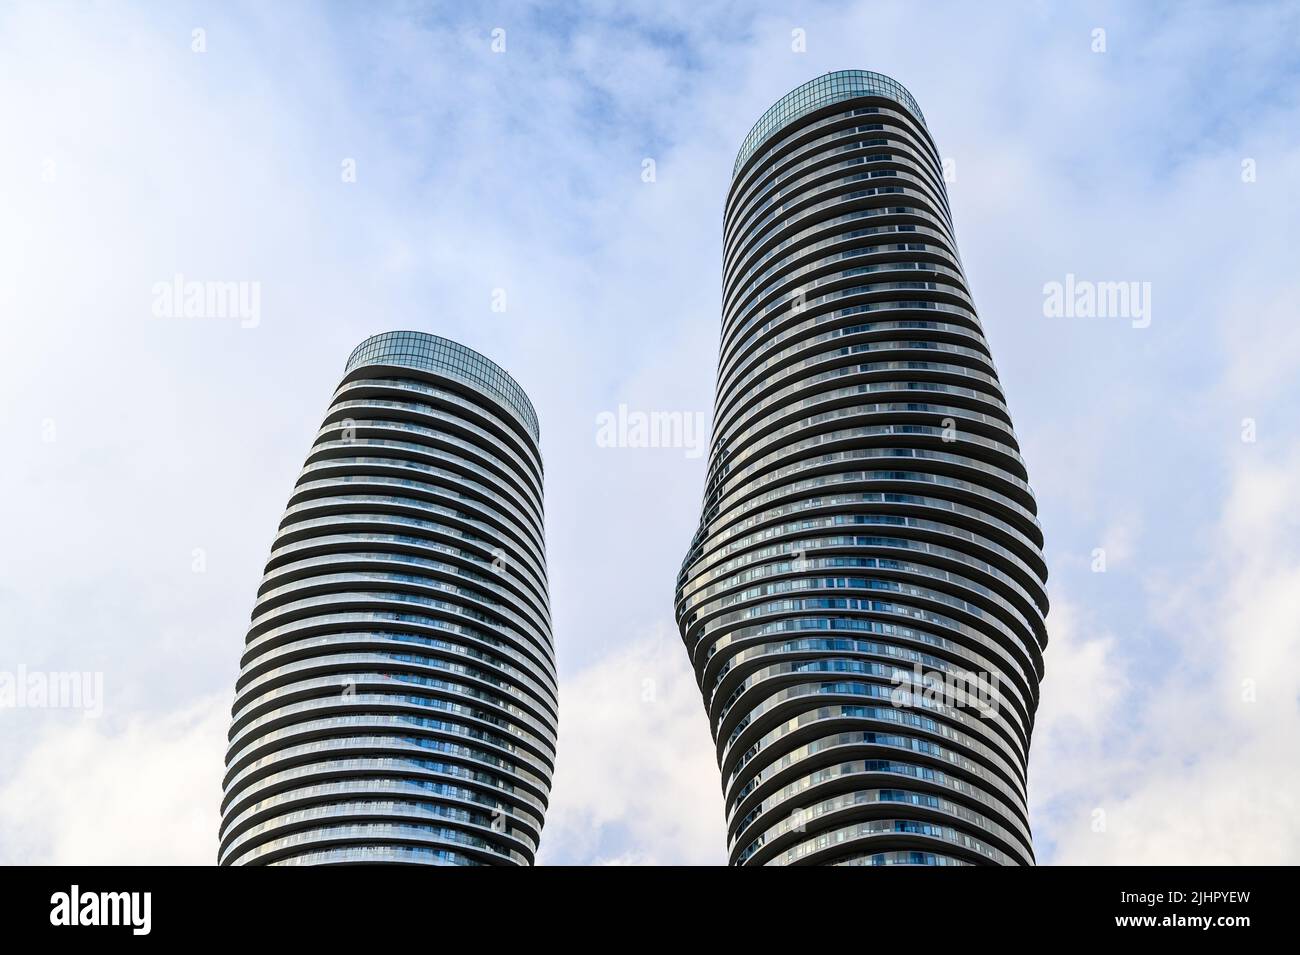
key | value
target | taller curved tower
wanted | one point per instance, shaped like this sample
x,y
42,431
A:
x,y
397,694
868,537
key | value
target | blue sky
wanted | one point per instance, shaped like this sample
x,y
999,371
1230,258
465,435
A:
x,y
1169,726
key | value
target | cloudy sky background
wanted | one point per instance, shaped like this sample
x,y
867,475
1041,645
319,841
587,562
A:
x,y
1169,730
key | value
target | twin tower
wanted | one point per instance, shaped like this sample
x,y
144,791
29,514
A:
x,y
863,601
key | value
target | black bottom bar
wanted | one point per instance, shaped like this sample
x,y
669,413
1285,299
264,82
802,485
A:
x,y
664,906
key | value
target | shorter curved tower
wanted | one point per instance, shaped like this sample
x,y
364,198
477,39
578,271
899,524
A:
x,y
397,700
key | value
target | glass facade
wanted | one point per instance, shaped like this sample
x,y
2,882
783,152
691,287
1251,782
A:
x,y
422,350
864,599
835,87
397,696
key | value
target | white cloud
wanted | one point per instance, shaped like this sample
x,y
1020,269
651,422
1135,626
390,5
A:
x,y
1190,755
636,782
146,793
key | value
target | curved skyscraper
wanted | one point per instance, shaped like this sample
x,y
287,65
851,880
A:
x,y
397,694
864,599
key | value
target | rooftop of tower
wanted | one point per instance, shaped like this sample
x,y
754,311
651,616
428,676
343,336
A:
x,y
442,355
819,92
